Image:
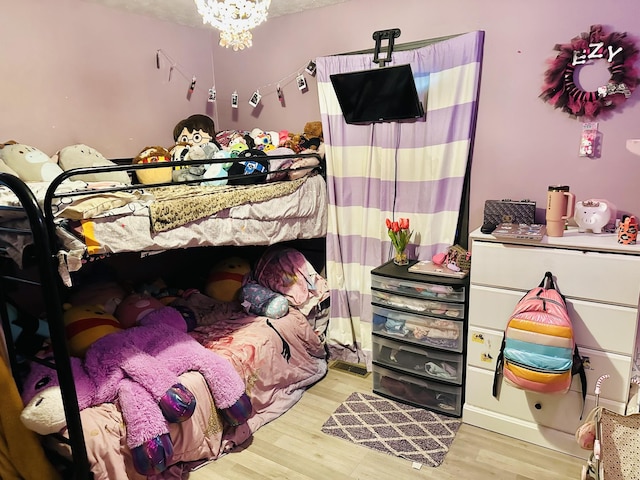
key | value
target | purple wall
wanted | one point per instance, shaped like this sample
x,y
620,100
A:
x,y
76,72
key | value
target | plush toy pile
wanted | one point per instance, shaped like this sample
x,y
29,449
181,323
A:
x,y
138,368
195,139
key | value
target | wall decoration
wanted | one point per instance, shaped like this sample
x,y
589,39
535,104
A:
x,y
560,88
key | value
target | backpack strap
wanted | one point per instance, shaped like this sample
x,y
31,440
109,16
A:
x,y
547,282
578,367
497,376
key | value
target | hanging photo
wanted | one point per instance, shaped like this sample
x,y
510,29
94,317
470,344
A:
x,y
311,68
212,95
234,100
302,82
255,99
280,93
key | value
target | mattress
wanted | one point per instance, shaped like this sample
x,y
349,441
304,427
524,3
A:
x,y
153,220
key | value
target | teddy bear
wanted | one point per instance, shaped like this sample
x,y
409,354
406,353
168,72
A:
x,y
28,163
83,156
154,154
311,137
138,369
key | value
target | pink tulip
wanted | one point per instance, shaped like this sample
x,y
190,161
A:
x,y
395,227
388,223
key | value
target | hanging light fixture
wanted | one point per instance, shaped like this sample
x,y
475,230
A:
x,y
234,19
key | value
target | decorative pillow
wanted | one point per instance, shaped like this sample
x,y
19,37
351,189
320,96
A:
x,y
31,164
80,156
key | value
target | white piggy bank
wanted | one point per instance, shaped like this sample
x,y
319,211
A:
x,y
594,214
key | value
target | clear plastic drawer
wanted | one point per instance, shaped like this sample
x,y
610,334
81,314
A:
x,y
426,290
431,364
420,330
416,391
418,305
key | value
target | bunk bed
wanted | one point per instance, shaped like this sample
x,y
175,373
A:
x,y
52,235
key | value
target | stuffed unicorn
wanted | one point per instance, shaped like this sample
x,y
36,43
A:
x,y
138,368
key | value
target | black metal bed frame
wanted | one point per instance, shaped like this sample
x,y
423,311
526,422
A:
x,y
42,229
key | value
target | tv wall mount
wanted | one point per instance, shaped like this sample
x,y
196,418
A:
x,y
379,36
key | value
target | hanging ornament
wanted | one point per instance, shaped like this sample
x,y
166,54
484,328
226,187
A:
x,y
234,100
302,82
212,95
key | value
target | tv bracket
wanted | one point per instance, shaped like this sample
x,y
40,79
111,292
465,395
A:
x,y
379,36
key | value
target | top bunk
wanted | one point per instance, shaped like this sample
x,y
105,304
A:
x,y
239,195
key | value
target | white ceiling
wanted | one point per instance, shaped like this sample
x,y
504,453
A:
x,y
184,11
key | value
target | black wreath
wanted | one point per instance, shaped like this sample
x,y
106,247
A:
x,y
560,89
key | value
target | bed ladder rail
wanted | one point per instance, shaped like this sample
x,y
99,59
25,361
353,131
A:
x,y
49,287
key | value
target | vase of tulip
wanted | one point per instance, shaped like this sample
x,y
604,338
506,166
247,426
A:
x,y
400,235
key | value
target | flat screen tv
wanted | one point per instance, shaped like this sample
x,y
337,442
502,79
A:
x,y
383,94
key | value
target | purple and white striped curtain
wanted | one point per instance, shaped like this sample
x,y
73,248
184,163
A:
x,y
394,170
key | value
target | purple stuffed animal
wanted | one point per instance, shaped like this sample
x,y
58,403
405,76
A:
x,y
139,369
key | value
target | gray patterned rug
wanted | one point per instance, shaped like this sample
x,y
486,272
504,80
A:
x,y
391,427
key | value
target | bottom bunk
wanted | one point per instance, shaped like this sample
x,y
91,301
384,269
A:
x,y
276,358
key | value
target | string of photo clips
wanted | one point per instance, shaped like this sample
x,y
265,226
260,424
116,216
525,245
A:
x,y
298,75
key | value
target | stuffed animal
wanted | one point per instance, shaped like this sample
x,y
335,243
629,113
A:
x,y
312,136
226,278
85,324
134,307
138,368
262,301
29,163
252,170
83,156
215,173
155,154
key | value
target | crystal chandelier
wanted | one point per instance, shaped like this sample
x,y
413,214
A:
x,y
234,19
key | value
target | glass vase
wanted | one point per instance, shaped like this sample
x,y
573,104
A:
x,y
400,258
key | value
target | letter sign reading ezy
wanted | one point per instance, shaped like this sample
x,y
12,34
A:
x,y
580,57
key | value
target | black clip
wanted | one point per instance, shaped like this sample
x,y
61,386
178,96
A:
x,y
384,35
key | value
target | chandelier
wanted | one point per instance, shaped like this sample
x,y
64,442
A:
x,y
234,19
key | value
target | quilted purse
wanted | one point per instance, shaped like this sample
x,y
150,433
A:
x,y
507,211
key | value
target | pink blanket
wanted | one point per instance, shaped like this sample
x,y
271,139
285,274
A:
x,y
258,349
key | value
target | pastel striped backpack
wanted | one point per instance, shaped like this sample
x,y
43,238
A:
x,y
538,351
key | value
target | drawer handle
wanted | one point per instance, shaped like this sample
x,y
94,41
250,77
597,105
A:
x,y
538,406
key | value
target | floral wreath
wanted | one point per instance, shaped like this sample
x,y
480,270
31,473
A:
x,y
560,89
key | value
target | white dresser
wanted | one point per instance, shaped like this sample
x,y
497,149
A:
x,y
601,282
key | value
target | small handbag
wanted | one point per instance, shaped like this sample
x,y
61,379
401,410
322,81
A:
x,y
458,259
507,211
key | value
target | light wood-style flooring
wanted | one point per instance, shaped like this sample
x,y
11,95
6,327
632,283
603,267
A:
x,y
293,447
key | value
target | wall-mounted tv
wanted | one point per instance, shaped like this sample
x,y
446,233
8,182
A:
x,y
383,94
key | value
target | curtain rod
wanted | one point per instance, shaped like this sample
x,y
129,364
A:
x,y
406,46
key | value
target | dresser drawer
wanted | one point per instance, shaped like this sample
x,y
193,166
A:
x,y
416,391
419,330
560,412
418,305
422,290
606,277
431,364
596,325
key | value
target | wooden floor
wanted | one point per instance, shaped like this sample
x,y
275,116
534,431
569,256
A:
x,y
293,447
